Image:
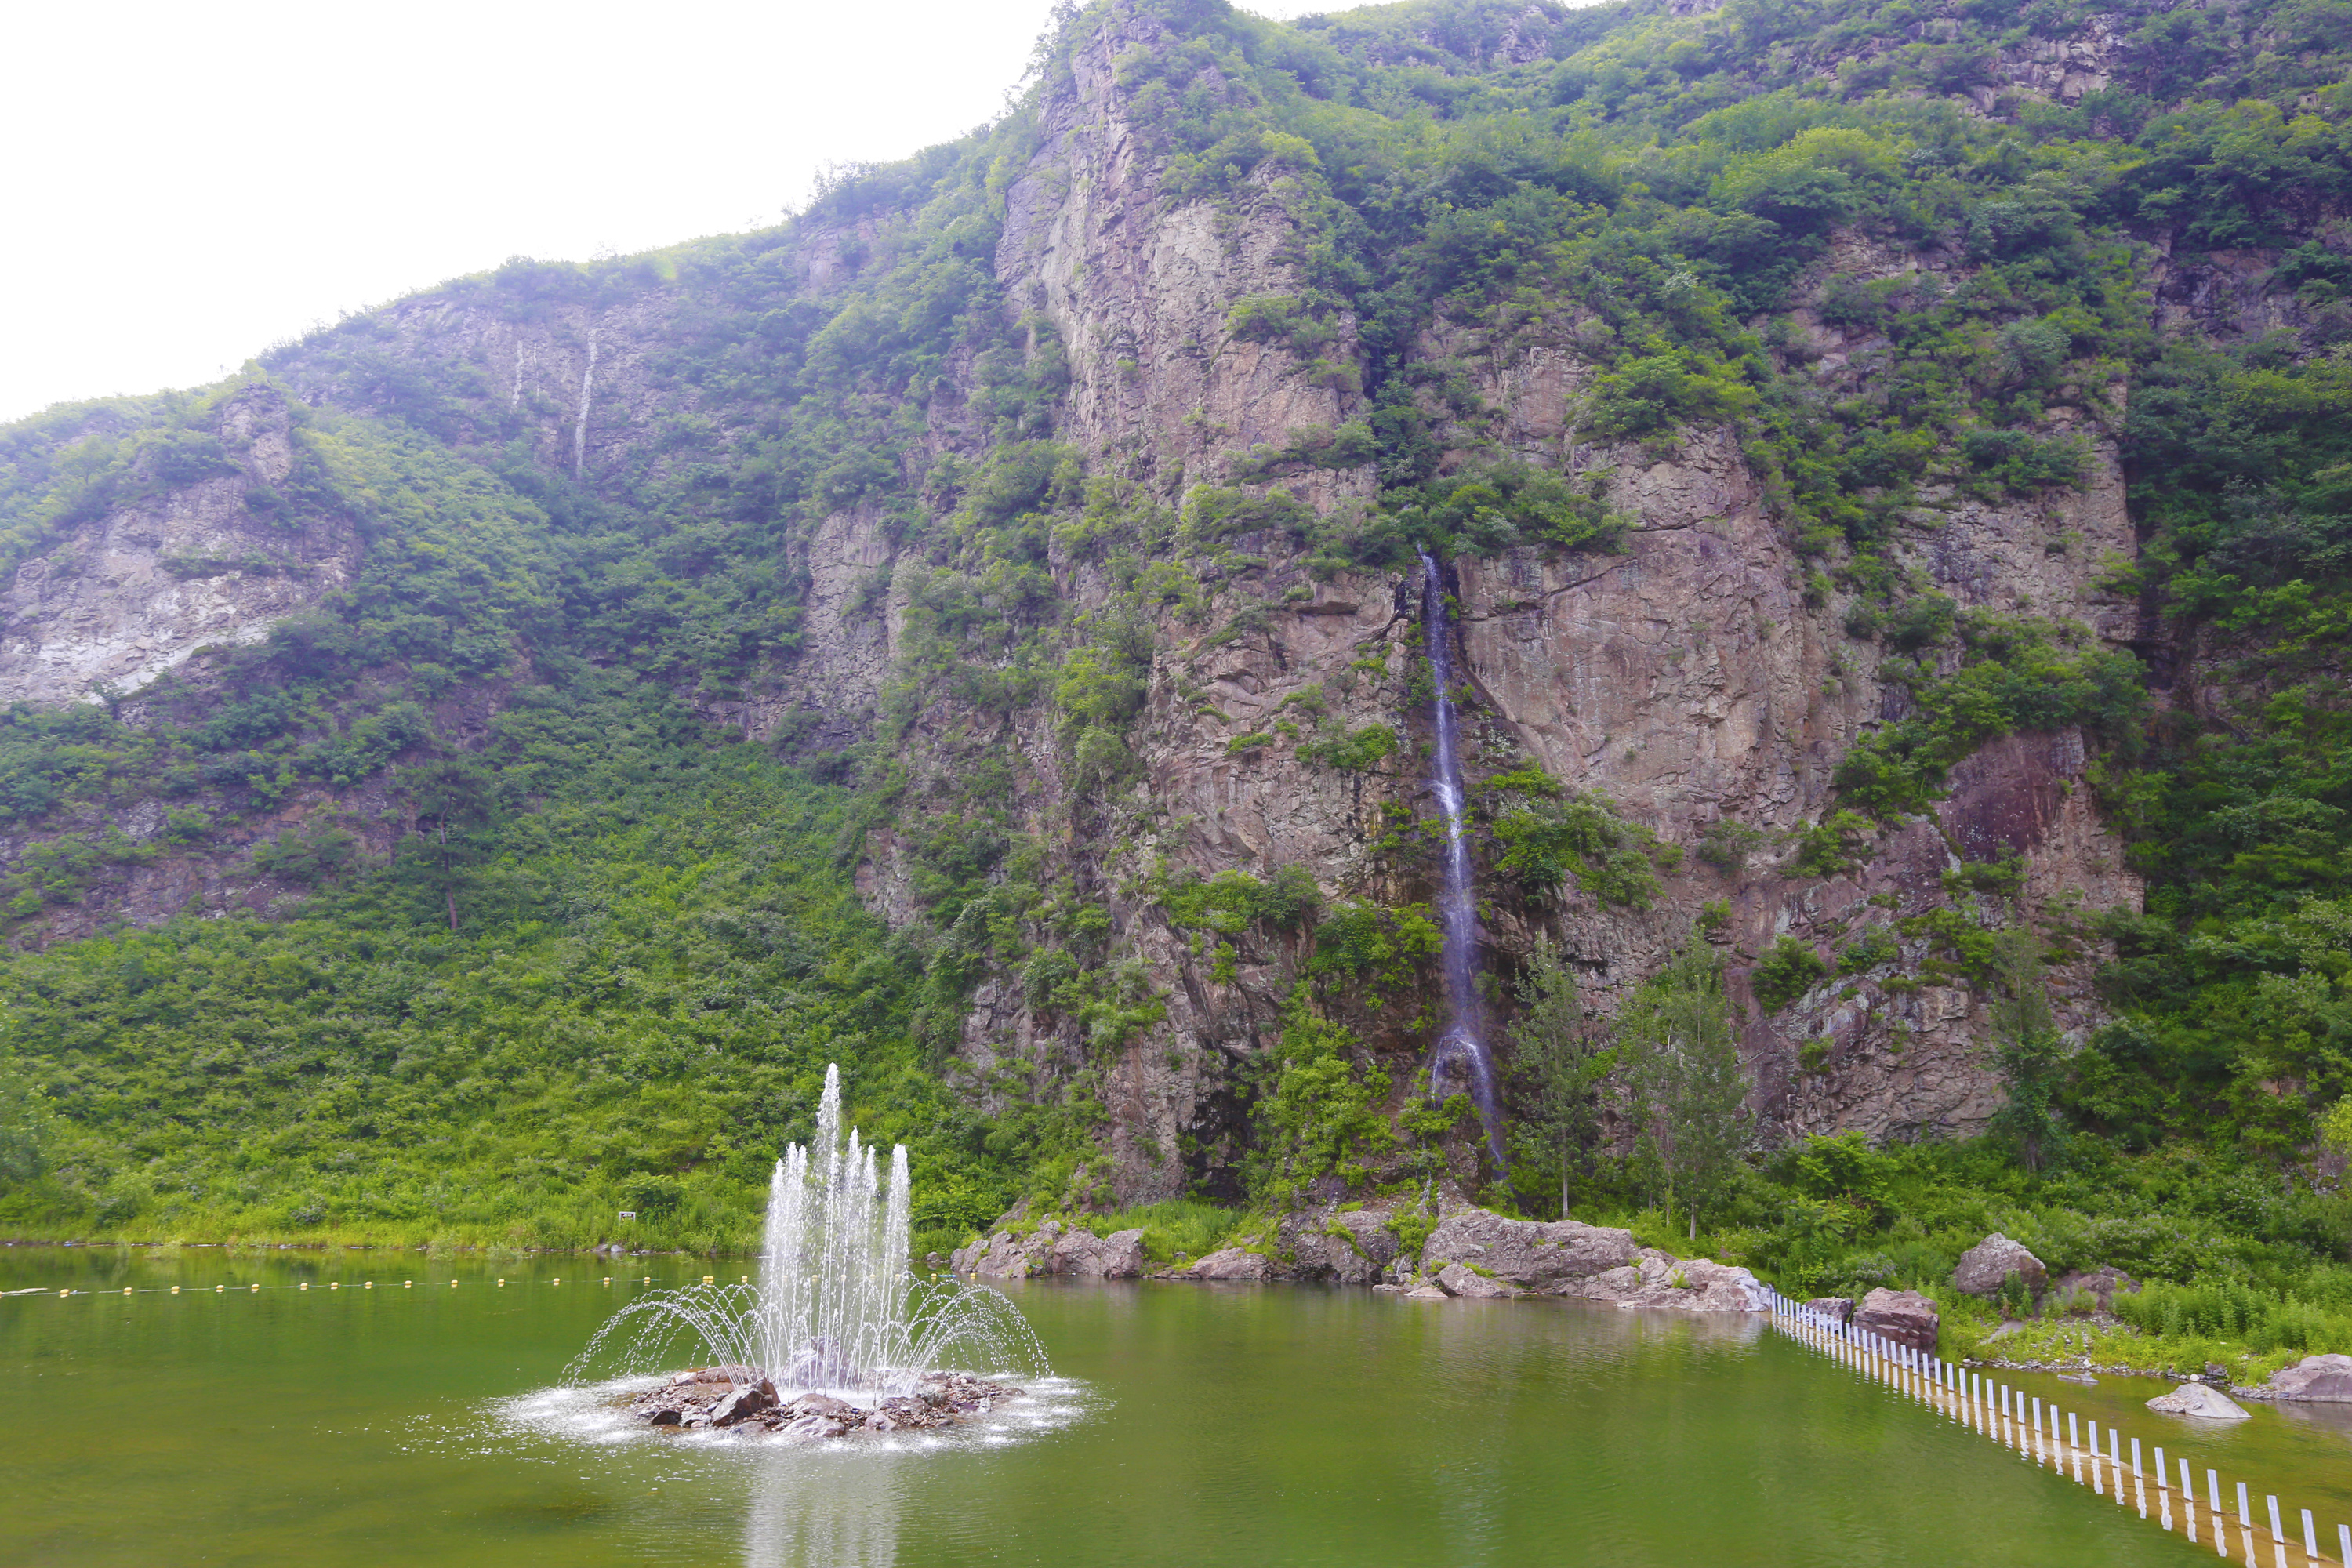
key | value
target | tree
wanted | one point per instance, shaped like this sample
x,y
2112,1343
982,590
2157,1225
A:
x,y
1678,1050
449,793
26,1124
1560,1062
2027,1049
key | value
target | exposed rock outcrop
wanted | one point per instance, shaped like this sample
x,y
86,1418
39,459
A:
x,y
2199,1400
1904,1316
1550,1257
2102,1284
1231,1263
1053,1248
1985,1266
1699,678
2319,1378
217,560
1338,1247
1658,1281
743,1399
1470,1285
1837,1309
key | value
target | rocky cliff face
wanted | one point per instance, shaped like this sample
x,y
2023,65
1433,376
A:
x,y
128,596
1701,674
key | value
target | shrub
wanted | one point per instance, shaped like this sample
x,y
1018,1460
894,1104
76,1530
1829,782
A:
x,y
1786,971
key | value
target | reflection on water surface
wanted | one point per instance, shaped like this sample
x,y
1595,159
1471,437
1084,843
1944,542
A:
x,y
1298,1427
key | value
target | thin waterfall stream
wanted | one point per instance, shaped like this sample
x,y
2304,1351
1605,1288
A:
x,y
1461,1058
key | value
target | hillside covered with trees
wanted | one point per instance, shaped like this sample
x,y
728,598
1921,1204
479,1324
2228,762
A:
x,y
1891,464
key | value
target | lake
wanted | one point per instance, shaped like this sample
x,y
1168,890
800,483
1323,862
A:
x,y
413,1422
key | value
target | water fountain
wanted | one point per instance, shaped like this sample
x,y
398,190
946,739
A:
x,y
835,1317
1460,1057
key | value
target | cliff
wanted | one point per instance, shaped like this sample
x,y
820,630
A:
x,y
1058,491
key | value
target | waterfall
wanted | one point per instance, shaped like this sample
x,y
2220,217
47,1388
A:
x,y
1461,1052
580,432
835,1307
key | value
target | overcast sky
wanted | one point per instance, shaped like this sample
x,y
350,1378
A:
x,y
188,185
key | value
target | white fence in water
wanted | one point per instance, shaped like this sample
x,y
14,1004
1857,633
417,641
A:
x,y
1992,1409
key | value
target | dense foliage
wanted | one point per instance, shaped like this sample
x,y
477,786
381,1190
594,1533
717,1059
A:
x,y
606,966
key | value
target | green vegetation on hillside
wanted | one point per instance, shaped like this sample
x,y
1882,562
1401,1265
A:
x,y
654,968
608,969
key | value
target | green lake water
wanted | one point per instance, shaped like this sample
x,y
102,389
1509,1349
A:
x,y
1183,1424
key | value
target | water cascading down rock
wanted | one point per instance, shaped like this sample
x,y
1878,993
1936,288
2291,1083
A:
x,y
836,1334
1460,1061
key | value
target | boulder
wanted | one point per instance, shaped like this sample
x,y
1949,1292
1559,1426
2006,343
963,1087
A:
x,y
743,1402
1003,1257
1983,1267
2103,1284
2199,1400
1657,1281
1349,1247
1233,1263
1426,1293
1555,1257
1052,1248
1837,1309
2315,1377
1118,1256
1904,1316
1457,1280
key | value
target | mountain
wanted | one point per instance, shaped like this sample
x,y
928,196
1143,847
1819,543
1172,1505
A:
x,y
1887,465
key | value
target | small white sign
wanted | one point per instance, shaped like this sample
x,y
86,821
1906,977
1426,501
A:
x,y
628,1214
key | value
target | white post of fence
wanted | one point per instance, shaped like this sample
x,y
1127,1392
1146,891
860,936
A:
x,y
2161,1484
2213,1492
2098,1473
2277,1532
2344,1543
2188,1487
2245,1514
2136,1460
2310,1536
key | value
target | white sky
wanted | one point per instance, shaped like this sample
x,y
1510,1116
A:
x,y
189,184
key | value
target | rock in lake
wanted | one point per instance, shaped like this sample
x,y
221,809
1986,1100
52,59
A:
x,y
1336,1247
1657,1281
1837,1309
1904,1316
1983,1267
2199,1400
743,1401
1118,1256
1457,1280
1554,1257
1233,1263
2327,1378
1053,1248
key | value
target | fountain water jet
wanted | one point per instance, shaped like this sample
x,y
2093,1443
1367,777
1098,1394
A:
x,y
835,1308
1461,1051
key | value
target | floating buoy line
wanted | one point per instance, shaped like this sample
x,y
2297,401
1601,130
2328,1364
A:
x,y
1995,1411
299,1286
